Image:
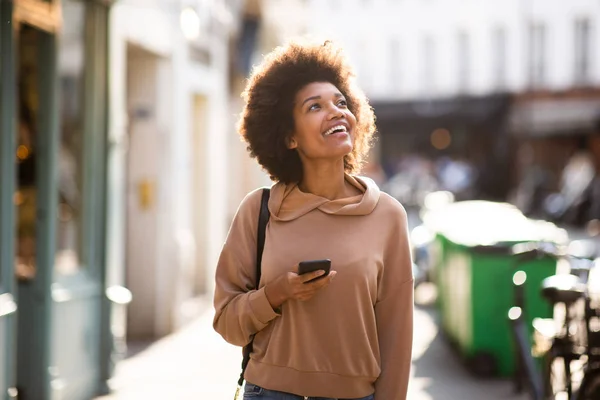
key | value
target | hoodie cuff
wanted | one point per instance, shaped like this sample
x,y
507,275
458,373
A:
x,y
260,306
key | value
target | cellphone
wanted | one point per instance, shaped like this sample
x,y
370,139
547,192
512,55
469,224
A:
x,y
314,265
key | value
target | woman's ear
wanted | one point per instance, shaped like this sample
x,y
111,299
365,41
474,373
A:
x,y
291,142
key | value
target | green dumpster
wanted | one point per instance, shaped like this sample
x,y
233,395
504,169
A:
x,y
473,269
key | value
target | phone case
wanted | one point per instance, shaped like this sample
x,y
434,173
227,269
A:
x,y
314,265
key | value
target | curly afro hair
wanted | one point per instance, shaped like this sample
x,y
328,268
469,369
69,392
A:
x,y
267,121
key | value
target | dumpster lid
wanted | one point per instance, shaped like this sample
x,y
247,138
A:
x,y
486,223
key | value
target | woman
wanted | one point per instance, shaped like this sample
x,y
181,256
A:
x,y
347,335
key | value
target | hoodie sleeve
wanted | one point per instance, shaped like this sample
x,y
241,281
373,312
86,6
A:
x,y
241,309
394,312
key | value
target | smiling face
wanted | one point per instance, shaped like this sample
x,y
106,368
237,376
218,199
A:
x,y
323,124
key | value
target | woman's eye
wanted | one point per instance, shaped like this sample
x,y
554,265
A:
x,y
343,103
315,106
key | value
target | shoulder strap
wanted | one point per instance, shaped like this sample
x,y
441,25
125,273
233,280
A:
x,y
263,219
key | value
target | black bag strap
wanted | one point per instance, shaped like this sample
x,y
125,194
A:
x,y
263,219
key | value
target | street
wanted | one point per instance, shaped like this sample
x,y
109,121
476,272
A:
x,y
196,364
437,373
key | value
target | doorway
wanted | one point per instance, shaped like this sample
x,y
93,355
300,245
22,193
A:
x,y
144,158
34,49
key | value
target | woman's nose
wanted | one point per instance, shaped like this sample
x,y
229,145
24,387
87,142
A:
x,y
335,112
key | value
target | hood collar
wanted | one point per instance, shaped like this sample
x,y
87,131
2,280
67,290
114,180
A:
x,y
288,202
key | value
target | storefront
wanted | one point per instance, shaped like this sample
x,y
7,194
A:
x,y
467,130
56,341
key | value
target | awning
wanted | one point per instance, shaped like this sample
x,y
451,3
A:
x,y
555,117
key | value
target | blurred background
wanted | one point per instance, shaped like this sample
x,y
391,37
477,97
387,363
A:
x,y
121,169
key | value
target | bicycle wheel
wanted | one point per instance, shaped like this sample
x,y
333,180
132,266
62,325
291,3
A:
x,y
555,377
590,386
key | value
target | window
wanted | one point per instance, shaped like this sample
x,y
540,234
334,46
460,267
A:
x,y
71,64
427,71
463,61
395,74
499,57
537,54
33,22
582,51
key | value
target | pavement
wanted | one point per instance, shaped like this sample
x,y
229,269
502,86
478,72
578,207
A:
x,y
195,363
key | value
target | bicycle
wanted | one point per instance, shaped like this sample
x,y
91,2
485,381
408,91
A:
x,y
577,338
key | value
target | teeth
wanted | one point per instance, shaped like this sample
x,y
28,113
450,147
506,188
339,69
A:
x,y
335,128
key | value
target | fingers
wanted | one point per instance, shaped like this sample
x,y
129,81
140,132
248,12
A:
x,y
311,275
324,281
299,286
309,289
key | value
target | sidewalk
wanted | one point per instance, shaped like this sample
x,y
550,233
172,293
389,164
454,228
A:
x,y
196,364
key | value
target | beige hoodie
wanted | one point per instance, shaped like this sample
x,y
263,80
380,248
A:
x,y
354,337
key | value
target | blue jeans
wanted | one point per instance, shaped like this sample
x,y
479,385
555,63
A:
x,y
253,392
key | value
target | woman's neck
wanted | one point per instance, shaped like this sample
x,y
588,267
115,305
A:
x,y
326,181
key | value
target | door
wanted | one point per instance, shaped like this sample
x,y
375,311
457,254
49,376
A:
x,y
8,306
26,43
199,183
142,213
33,155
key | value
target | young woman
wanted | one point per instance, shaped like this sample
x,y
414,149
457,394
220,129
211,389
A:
x,y
346,335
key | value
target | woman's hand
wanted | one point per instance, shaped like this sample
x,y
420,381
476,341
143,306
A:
x,y
293,286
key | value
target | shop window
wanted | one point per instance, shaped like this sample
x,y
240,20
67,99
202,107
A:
x,y
26,151
499,56
537,55
71,166
582,51
464,52
395,66
428,60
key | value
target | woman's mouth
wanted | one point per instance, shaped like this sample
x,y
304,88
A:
x,y
336,130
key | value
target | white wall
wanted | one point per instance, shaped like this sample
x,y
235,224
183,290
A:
x,y
212,83
245,172
367,28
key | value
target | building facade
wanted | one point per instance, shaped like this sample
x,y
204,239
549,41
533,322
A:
x,y
254,30
472,80
443,49
169,156
114,157
55,301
